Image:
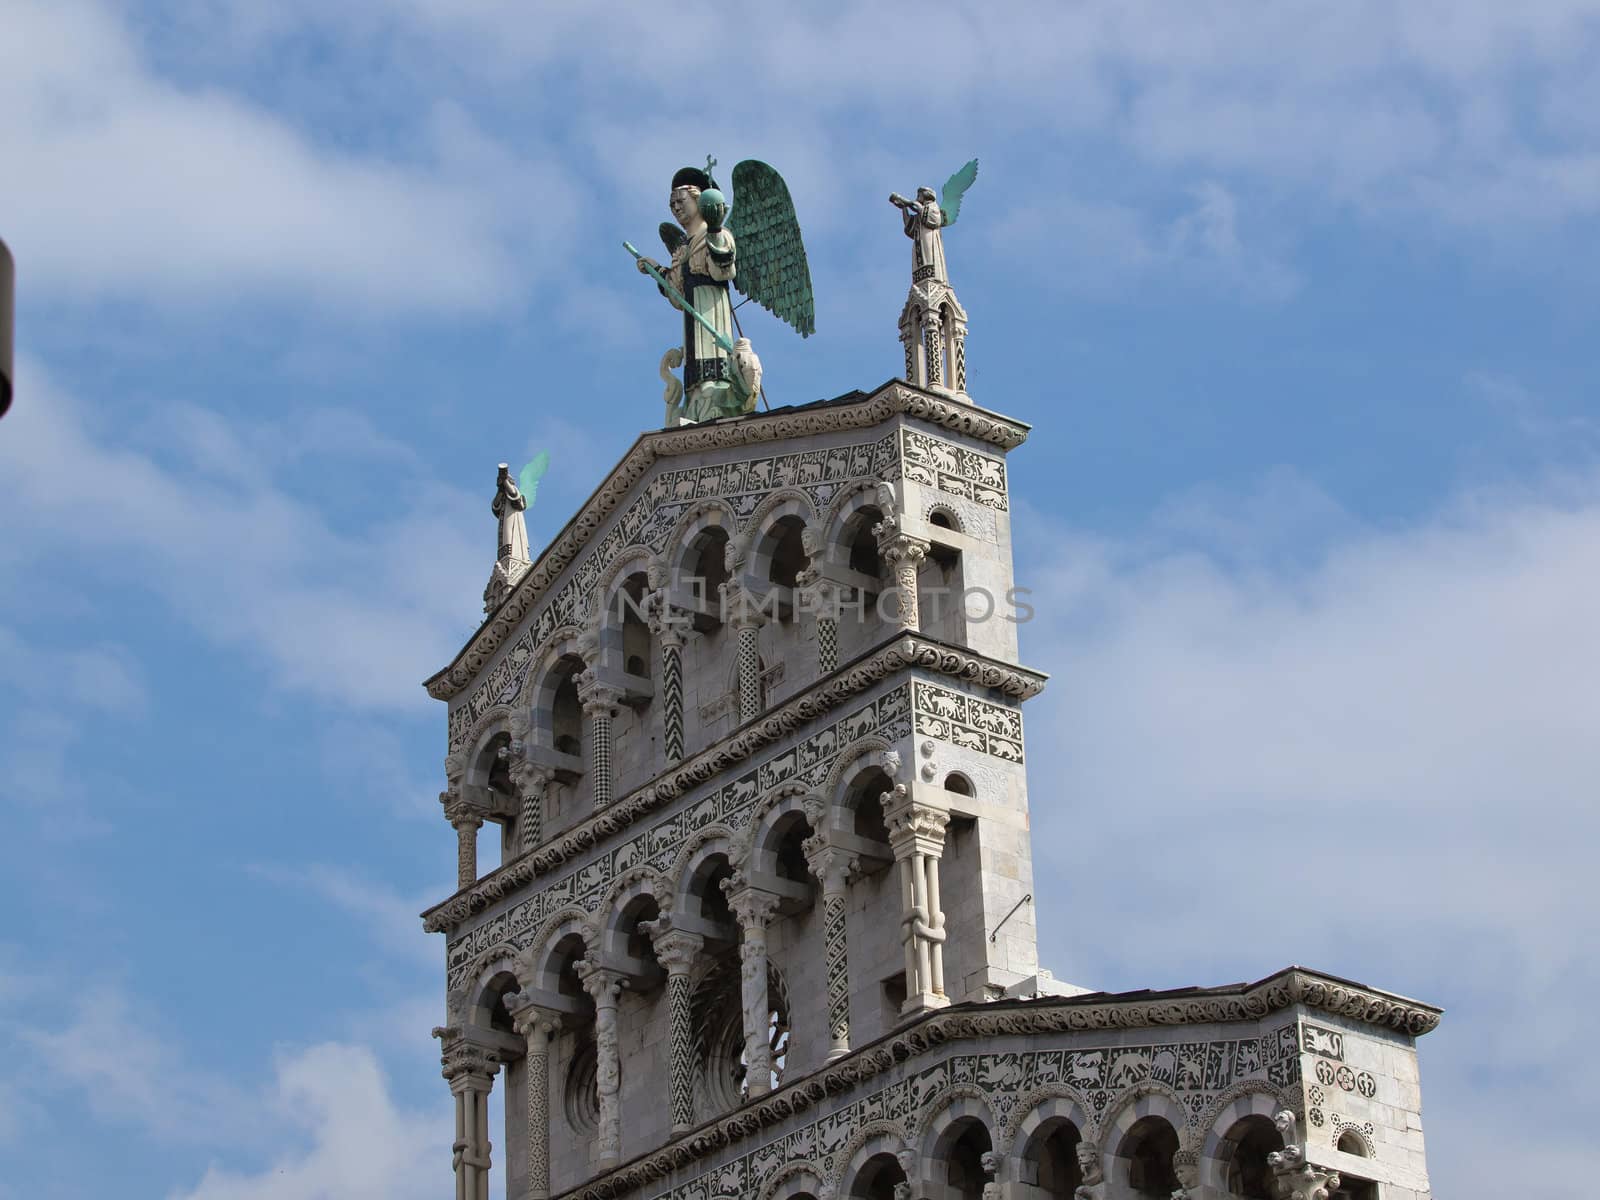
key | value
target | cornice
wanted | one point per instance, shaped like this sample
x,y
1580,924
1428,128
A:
x,y
901,652
1072,1014
827,416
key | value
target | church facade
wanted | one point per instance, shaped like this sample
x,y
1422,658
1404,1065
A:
x,y
749,734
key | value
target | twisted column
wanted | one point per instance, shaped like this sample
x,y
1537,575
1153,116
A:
x,y
605,984
754,909
833,869
537,1025
466,823
904,555
470,1070
667,627
599,706
916,834
676,950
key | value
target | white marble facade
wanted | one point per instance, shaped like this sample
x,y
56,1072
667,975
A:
x,y
762,923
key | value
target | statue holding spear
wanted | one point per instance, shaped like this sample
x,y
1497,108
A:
x,y
760,253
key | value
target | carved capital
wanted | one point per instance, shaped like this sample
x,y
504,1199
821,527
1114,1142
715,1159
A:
x,y
597,698
604,984
531,778
915,827
459,813
832,866
1305,1182
752,907
676,949
532,1020
901,549
463,1062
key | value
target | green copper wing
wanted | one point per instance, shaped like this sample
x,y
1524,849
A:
x,y
954,188
528,478
772,268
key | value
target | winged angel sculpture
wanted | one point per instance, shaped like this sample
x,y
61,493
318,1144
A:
x,y
933,325
754,245
925,218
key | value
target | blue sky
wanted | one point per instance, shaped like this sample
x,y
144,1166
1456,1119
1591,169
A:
x,y
1299,300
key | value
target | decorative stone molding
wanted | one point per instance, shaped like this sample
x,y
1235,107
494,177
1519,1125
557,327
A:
x,y
897,654
844,414
978,1022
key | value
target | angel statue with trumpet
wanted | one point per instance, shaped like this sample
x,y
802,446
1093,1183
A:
x,y
933,325
754,245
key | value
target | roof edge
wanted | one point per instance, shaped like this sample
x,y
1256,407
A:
x,y
854,411
1091,1012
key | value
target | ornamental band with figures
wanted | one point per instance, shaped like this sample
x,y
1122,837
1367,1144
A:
x,y
763,921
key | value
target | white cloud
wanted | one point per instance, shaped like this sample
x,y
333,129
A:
x,y
390,918
120,182
357,1142
129,1073
359,616
1376,757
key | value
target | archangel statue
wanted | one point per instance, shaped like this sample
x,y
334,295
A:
x,y
933,325
511,500
754,245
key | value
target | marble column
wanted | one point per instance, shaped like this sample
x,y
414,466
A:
x,y
916,834
754,909
537,1025
667,626
744,615
599,706
833,869
904,554
466,823
677,950
470,1070
604,985
532,782
821,600
933,332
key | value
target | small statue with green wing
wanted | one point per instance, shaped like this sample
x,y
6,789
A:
x,y
756,246
933,325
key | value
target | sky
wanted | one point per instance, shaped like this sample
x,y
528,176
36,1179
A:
x,y
1298,299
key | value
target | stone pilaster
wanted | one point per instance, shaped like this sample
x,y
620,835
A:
x,y
605,984
916,834
754,909
599,707
470,1070
904,554
466,823
676,950
537,1025
833,869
